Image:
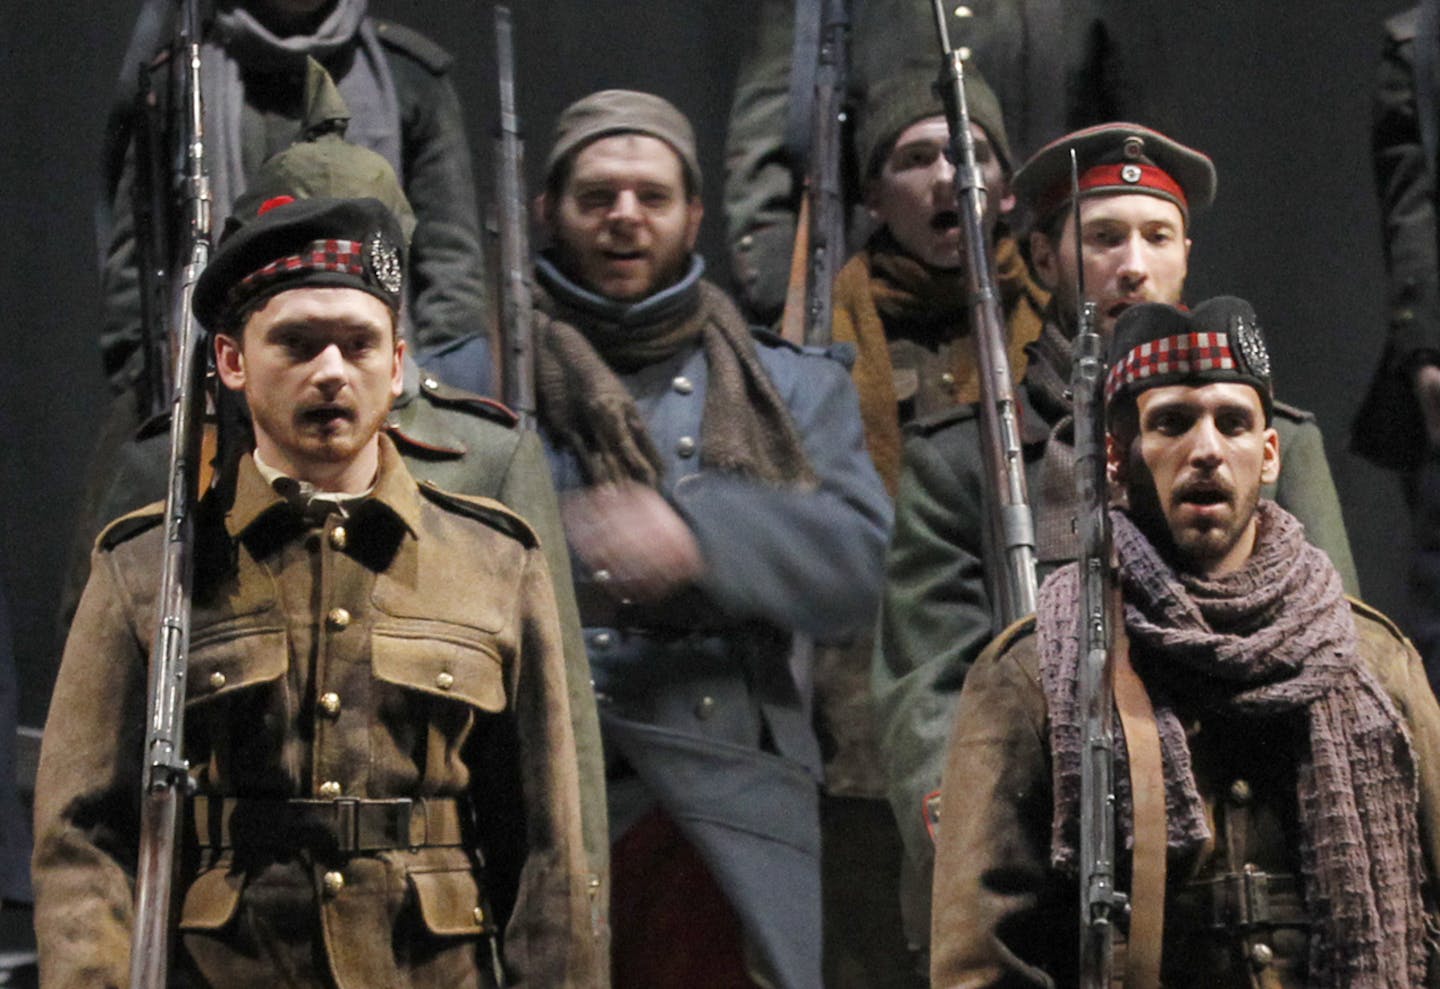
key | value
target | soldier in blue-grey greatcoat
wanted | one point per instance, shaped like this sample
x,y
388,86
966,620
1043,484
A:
x,y
719,505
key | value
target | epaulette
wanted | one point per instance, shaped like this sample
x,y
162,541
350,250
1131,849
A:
x,y
1293,412
414,44
451,397
485,510
1405,25
1367,611
127,527
844,353
927,425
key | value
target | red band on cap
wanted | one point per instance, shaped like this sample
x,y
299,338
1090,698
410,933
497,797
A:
x,y
1119,177
272,202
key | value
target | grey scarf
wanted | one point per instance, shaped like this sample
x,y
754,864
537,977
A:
x,y
238,43
1273,640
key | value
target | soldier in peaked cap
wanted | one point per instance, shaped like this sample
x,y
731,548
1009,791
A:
x,y
1279,828
377,703
1138,191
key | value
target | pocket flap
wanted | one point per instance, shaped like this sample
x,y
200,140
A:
x,y
450,902
211,900
466,671
222,663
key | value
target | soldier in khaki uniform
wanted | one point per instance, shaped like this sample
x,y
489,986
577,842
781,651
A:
x,y
462,442
377,702
1295,744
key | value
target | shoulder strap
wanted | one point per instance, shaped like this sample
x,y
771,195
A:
x,y
1147,788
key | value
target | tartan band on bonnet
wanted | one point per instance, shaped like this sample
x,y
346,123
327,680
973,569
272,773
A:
x,y
346,256
1187,354
1155,344
300,243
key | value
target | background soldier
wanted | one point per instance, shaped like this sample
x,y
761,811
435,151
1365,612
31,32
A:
x,y
1295,726
1398,426
936,614
721,500
904,304
358,642
1054,66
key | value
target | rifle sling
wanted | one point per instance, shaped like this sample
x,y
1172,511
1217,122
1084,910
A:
x,y
1147,786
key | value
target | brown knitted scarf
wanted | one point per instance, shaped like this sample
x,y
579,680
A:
x,y
883,288
745,426
1274,640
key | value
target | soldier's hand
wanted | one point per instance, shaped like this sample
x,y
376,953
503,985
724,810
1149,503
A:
x,y
1427,393
630,538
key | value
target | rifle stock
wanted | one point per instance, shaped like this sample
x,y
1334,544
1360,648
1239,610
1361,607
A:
x,y
166,773
1011,529
517,298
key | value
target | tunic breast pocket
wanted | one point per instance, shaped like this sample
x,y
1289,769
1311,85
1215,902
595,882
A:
x,y
446,683
235,702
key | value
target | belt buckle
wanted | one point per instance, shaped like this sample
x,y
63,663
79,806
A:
x,y
1254,905
346,812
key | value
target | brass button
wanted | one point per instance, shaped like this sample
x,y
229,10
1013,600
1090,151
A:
x,y
444,681
705,708
330,703
685,446
479,915
602,576
947,379
333,882
1262,955
964,52
964,12
683,385
602,640
338,619
431,383
331,790
337,537
217,680
747,242
1240,792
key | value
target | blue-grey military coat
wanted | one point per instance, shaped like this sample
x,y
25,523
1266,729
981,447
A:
x,y
714,717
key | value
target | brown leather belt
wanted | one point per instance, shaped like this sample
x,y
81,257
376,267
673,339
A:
x,y
346,825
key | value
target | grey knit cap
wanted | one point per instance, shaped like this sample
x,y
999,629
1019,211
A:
x,y
895,102
623,111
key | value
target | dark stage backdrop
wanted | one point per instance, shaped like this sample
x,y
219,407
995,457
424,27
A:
x,y
1277,92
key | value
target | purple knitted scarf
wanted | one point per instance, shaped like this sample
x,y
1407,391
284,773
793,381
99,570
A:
x,y
1274,639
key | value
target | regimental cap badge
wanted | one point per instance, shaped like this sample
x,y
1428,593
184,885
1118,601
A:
x,y
1133,148
1250,344
383,258
1131,173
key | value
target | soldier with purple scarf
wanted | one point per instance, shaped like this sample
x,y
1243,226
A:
x,y
1298,762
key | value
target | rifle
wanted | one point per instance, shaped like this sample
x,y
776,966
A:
x,y
1100,902
517,298
166,774
820,226
1011,530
